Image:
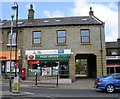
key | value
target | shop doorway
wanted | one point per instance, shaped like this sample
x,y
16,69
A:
x,y
85,65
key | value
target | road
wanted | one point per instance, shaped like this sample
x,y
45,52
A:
x,y
58,93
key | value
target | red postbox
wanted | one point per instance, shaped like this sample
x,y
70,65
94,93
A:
x,y
23,73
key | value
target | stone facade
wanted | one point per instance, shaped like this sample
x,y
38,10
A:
x,y
73,42
96,46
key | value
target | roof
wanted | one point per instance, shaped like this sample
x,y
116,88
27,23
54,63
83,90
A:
x,y
111,45
61,21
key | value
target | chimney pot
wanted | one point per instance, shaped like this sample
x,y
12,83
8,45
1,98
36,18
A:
x,y
91,12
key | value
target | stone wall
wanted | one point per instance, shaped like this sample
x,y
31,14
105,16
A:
x,y
49,41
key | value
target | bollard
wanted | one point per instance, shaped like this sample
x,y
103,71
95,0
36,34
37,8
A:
x,y
57,80
35,79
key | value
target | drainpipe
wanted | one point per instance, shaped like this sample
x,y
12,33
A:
x,y
101,50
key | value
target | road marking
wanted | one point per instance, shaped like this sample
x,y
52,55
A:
x,y
29,93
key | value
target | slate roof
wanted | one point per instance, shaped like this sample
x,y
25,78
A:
x,y
61,21
112,45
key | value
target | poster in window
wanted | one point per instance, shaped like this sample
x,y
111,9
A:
x,y
46,71
12,66
55,70
49,71
8,66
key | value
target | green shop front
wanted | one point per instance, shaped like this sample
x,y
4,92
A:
x,y
48,63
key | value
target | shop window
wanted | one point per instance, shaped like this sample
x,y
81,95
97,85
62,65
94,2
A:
x,y
36,38
85,36
34,68
112,70
50,68
118,69
61,37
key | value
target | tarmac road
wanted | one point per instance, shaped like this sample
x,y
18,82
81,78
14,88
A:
x,y
81,89
59,98
57,93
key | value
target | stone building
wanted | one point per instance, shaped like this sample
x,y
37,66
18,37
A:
x,y
51,46
113,56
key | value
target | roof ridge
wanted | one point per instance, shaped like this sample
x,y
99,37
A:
x,y
63,17
97,19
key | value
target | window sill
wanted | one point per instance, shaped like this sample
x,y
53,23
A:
x,y
85,43
61,44
12,45
37,45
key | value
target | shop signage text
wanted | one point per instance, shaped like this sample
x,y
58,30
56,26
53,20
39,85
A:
x,y
33,62
50,56
6,55
39,52
2,57
113,57
47,56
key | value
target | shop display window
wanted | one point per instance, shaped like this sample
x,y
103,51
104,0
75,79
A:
x,y
48,68
52,68
34,68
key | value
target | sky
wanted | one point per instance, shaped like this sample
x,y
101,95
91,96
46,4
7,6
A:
x,y
105,10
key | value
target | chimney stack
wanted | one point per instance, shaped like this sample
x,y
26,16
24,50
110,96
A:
x,y
31,14
91,12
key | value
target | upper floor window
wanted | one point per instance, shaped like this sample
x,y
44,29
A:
x,y
61,37
85,36
111,51
36,38
13,42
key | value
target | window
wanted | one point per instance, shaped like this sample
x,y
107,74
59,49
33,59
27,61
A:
x,y
61,37
117,76
13,38
112,52
85,36
37,38
52,68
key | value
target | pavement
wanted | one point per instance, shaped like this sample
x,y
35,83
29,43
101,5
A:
x,y
83,83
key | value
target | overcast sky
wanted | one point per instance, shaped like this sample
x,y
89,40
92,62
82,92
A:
x,y
105,10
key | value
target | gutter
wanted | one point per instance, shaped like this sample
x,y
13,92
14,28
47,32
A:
x,y
32,26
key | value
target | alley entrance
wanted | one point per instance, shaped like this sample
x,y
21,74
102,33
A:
x,y
85,65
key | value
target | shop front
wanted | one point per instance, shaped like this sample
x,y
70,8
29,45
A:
x,y
5,62
113,68
48,63
113,64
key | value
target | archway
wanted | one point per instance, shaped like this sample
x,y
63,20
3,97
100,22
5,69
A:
x,y
89,64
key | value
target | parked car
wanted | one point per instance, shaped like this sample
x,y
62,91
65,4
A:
x,y
109,83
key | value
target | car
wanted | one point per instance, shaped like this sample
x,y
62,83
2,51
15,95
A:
x,y
109,83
